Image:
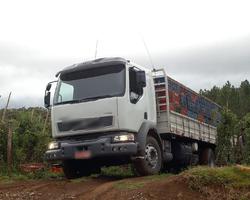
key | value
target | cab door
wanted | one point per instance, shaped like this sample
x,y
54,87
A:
x,y
132,108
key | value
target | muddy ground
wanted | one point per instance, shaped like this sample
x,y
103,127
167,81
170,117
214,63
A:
x,y
103,188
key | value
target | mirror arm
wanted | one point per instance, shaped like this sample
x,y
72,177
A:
x,y
53,81
50,84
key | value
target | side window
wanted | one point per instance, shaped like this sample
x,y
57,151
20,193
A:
x,y
66,92
135,90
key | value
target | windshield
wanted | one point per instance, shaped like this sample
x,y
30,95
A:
x,y
90,84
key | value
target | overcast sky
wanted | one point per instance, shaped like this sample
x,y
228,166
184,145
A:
x,y
200,43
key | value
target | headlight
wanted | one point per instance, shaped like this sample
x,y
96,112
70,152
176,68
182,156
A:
x,y
53,145
124,138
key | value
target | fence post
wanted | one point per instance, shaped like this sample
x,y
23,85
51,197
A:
x,y
45,122
6,107
9,151
32,114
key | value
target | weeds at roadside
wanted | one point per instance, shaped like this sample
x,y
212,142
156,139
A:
x,y
222,176
17,175
158,177
128,185
221,182
44,174
79,180
10,179
124,171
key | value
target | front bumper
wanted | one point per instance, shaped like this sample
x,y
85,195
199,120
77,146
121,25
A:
x,y
87,149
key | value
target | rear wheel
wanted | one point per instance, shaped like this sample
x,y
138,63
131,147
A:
x,y
207,157
152,161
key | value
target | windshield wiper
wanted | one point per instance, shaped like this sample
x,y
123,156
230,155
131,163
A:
x,y
95,98
67,102
84,100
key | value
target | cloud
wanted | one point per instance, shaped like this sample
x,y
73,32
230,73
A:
x,y
204,67
26,71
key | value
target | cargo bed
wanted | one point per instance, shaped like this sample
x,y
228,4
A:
x,y
183,112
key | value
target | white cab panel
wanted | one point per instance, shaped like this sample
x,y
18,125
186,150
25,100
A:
x,y
85,110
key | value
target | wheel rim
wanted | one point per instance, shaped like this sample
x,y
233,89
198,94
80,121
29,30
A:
x,y
151,155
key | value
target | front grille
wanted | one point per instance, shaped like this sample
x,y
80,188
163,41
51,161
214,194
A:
x,y
85,124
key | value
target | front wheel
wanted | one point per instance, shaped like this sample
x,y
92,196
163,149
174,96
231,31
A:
x,y
152,161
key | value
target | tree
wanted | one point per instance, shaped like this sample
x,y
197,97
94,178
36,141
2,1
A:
x,y
226,131
29,142
237,99
246,138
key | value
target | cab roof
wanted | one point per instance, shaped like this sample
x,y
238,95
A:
x,y
100,62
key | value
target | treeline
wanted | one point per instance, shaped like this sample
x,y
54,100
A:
x,y
233,142
31,134
32,130
236,99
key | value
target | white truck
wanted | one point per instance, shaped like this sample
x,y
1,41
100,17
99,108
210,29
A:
x,y
110,111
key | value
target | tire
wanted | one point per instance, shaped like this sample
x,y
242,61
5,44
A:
x,y
75,169
152,162
207,157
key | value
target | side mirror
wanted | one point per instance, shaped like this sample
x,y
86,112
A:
x,y
141,79
48,86
47,96
47,99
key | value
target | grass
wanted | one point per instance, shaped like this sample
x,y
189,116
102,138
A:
x,y
116,172
21,176
135,185
157,177
15,177
219,183
79,180
127,172
127,185
223,176
44,174
124,171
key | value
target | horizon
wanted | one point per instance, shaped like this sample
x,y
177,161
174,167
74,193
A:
x,y
3,100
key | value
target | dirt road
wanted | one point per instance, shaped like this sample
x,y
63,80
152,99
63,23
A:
x,y
103,188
